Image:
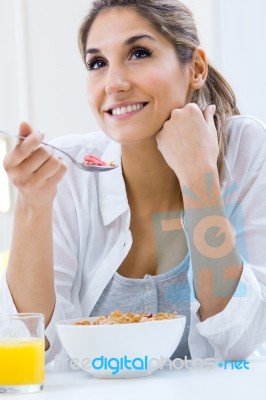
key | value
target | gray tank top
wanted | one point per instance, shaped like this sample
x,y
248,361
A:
x,y
167,292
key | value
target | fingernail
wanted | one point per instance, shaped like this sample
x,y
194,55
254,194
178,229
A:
x,y
41,134
213,107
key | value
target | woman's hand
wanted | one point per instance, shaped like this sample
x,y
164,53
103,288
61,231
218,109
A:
x,y
188,142
34,170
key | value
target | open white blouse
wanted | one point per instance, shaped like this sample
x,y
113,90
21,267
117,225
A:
x,y
92,238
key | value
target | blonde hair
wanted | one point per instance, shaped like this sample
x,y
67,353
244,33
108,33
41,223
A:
x,y
175,21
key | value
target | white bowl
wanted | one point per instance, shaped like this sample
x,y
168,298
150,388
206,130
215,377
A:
x,y
120,350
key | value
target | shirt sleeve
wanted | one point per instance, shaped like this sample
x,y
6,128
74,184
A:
x,y
66,244
240,328
75,206
66,249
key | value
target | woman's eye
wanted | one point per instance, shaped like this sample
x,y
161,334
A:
x,y
94,64
140,53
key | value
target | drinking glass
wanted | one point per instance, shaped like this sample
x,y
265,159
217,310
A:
x,y
21,353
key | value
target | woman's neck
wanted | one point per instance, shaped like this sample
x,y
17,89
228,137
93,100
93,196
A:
x,y
151,184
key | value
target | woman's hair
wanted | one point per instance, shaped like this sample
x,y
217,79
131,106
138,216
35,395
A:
x,y
175,21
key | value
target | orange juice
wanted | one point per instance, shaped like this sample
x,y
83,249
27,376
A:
x,y
21,361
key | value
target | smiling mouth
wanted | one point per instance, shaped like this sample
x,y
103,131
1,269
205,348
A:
x,y
127,110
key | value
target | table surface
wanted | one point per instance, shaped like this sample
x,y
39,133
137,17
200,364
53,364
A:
x,y
199,383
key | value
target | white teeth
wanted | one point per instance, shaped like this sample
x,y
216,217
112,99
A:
x,y
128,109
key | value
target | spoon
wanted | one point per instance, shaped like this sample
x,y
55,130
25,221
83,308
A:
x,y
78,164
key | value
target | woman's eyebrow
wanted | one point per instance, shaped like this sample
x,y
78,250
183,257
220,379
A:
x,y
128,42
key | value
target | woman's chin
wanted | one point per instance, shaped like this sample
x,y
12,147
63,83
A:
x,y
124,138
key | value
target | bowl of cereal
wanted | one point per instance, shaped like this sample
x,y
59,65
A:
x,y
121,345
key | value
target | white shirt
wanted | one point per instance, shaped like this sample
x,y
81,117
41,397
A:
x,y
92,238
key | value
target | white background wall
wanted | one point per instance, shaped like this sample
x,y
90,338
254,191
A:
x,y
42,78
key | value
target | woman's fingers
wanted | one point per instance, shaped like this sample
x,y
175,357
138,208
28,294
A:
x,y
23,149
35,160
209,115
21,175
39,166
51,168
24,130
54,179
34,169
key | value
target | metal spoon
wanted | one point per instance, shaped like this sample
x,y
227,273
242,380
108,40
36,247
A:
x,y
78,164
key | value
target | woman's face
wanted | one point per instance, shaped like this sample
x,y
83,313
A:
x,y
135,79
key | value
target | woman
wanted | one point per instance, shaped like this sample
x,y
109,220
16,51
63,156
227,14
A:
x,y
176,226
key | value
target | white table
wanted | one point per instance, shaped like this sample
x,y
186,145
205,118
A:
x,y
205,383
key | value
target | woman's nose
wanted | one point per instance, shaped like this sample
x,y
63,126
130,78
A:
x,y
117,81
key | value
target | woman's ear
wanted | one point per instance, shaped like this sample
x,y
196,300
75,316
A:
x,y
198,69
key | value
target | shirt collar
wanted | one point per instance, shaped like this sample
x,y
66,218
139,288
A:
x,y
112,191
226,173
113,200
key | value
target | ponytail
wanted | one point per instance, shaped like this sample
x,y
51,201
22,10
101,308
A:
x,y
217,91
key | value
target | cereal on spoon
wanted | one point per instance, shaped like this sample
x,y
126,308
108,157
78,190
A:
x,y
92,160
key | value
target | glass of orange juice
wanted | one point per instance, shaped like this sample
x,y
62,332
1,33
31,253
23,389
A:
x,y
21,353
